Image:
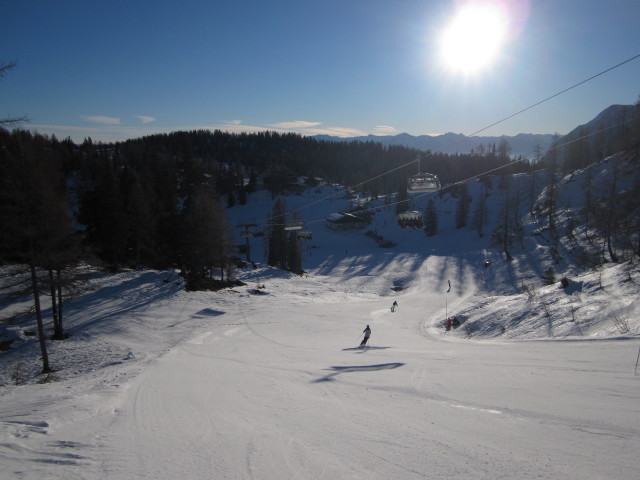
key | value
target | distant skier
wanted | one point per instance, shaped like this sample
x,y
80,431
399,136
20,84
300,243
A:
x,y
394,306
367,334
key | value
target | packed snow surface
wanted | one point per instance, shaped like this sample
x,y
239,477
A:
x,y
266,380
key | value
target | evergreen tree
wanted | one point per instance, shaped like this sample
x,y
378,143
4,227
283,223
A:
x,y
231,200
402,201
431,219
549,276
504,232
253,182
462,207
103,215
242,195
504,150
480,214
139,225
33,212
206,240
294,254
277,235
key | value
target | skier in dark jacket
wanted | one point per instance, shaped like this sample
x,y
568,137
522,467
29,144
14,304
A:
x,y
367,334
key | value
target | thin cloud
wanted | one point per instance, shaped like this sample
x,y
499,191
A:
x,y
101,119
145,119
232,126
335,132
114,132
384,130
297,124
315,128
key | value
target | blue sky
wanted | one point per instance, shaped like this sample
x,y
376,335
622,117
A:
x,y
115,69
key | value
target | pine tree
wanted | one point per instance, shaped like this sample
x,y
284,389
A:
x,y
231,200
480,214
402,201
504,231
277,237
206,240
36,228
462,207
242,195
138,222
103,215
431,219
294,254
549,276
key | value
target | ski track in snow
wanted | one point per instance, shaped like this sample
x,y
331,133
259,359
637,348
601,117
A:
x,y
268,389
168,384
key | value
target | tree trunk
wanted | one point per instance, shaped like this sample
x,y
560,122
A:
x,y
36,302
57,335
59,288
611,213
612,254
505,234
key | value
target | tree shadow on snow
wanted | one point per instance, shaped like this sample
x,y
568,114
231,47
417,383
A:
x,y
357,368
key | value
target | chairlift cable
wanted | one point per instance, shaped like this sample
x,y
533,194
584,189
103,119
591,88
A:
x,y
556,94
592,77
503,166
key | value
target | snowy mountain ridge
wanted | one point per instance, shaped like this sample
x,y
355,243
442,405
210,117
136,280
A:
x,y
522,144
602,133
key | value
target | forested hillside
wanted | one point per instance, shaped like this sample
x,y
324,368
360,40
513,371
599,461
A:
x,y
159,201
615,129
146,201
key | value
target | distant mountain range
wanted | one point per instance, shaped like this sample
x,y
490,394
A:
x,y
603,135
523,144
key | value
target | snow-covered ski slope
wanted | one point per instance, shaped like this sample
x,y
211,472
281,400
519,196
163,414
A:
x,y
155,382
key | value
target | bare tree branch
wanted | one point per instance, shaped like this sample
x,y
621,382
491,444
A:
x,y
10,121
5,67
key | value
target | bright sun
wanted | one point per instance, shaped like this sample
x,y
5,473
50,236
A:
x,y
473,39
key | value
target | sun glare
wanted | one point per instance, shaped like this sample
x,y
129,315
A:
x,y
474,37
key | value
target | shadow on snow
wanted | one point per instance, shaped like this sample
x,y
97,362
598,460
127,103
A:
x,y
357,368
363,348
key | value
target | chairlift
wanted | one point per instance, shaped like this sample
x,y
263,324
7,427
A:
x,y
423,182
410,220
304,234
293,226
